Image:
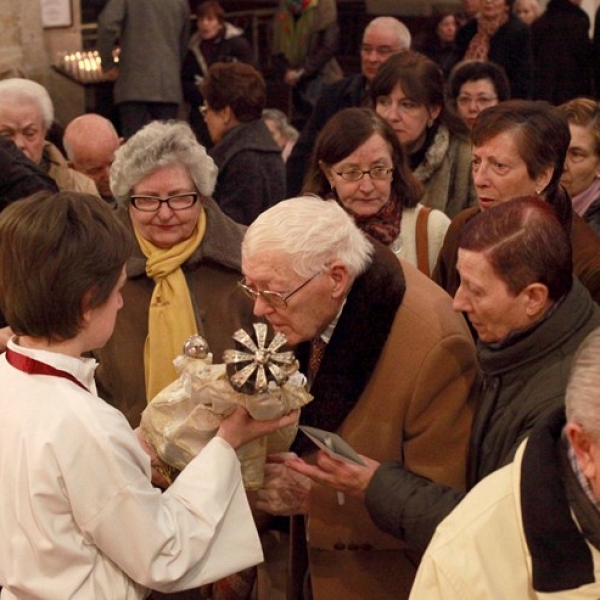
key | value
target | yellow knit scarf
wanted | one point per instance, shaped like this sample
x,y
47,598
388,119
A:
x,y
171,317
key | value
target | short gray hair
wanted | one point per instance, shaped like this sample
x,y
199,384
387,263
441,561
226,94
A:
x,y
582,399
16,91
311,233
161,144
394,25
279,118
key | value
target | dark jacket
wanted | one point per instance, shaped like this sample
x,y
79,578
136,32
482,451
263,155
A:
x,y
251,171
586,254
348,92
521,382
230,46
562,53
19,176
510,47
592,216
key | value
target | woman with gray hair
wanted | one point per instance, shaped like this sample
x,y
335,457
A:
x,y
182,277
26,115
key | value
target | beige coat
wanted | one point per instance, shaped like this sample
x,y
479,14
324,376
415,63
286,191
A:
x,y
414,407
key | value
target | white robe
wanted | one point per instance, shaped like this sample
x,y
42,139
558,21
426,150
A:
x,y
78,514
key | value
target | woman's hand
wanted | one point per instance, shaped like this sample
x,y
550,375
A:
x,y
284,492
5,334
350,479
239,428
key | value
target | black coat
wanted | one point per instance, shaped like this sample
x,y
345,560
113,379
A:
x,y
230,46
510,47
562,53
346,93
19,177
522,382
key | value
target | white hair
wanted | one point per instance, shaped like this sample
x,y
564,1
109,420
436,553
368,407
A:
x,y
280,120
394,25
16,91
582,397
311,233
161,144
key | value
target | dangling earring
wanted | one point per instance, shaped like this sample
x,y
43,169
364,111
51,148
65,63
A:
x,y
430,123
538,192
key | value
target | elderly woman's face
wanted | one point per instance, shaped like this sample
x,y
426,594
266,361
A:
x,y
582,166
165,227
500,174
408,118
366,196
474,96
24,125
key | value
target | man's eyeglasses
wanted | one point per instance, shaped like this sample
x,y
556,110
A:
x,y
375,173
153,204
275,299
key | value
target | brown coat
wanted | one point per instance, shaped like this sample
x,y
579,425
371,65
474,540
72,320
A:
x,y
586,254
414,407
212,273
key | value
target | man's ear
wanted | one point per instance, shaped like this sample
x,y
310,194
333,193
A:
x,y
582,442
536,298
340,279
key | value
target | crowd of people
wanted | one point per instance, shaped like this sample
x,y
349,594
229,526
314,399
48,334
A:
x,y
424,234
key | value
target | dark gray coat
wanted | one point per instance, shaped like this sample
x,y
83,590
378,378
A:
x,y
251,171
521,382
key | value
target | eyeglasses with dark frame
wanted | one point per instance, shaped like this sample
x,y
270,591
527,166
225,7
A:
x,y
375,173
175,202
275,299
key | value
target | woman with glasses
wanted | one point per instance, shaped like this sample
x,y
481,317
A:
x,y
581,176
251,169
358,161
183,275
408,92
475,85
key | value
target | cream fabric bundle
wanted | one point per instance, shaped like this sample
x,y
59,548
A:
x,y
185,415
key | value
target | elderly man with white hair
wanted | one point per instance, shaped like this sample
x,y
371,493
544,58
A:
x,y
390,365
26,114
532,529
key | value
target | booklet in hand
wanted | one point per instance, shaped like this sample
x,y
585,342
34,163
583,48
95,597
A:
x,y
333,444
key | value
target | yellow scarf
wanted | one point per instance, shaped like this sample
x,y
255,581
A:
x,y
171,317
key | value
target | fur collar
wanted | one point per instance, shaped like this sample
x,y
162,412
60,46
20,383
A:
x,y
357,341
435,155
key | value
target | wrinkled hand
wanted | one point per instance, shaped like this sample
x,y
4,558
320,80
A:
x,y
5,334
350,479
157,465
284,492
